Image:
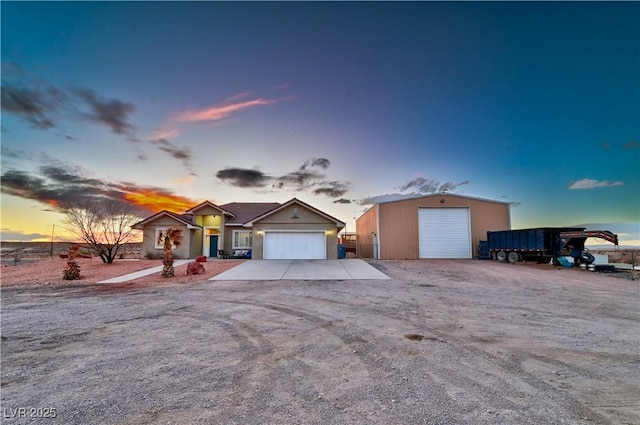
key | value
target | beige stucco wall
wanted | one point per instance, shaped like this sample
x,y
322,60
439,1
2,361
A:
x,y
227,237
399,223
195,246
149,234
283,220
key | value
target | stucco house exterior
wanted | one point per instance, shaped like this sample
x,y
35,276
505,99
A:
x,y
293,230
440,225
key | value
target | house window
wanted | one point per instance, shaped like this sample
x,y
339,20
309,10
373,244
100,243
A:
x,y
160,231
242,239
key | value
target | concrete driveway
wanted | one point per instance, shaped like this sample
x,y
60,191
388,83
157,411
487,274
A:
x,y
302,270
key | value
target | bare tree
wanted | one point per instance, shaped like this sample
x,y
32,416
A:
x,y
104,224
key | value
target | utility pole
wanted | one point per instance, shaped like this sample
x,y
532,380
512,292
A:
x,y
52,233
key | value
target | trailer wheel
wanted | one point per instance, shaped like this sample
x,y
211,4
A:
x,y
502,256
514,257
494,256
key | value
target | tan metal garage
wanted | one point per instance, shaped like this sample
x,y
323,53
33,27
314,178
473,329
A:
x,y
440,225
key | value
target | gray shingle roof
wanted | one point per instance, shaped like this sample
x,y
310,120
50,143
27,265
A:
x,y
246,211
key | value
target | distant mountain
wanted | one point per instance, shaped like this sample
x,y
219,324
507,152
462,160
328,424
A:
x,y
610,247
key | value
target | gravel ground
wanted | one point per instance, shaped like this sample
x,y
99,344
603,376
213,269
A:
x,y
50,271
443,342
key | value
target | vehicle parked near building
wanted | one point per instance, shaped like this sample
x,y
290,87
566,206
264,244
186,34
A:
x,y
543,244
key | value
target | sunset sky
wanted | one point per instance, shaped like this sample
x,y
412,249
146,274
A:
x,y
165,105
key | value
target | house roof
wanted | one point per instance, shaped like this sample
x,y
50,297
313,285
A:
x,y
247,211
339,223
208,204
186,219
238,213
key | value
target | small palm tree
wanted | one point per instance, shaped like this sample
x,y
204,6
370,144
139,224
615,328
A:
x,y
172,238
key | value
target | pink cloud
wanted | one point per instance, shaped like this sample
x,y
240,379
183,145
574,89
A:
x,y
238,97
165,134
215,113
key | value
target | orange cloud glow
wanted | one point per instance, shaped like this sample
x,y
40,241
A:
x,y
219,112
157,201
184,180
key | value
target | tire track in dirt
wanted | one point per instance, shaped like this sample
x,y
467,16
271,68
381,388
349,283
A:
x,y
310,353
296,364
258,370
513,367
246,373
535,387
380,366
509,366
474,378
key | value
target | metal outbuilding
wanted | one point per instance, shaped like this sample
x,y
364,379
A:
x,y
441,225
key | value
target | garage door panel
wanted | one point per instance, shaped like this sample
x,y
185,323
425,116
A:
x,y
295,246
444,233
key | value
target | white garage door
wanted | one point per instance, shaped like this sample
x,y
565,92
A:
x,y
295,246
444,233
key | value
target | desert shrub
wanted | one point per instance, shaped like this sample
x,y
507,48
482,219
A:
x,y
72,271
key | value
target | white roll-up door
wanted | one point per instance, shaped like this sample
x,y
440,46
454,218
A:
x,y
295,246
444,233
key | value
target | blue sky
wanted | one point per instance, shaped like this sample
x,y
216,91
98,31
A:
x,y
339,104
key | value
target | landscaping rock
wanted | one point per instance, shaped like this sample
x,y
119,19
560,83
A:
x,y
201,259
195,268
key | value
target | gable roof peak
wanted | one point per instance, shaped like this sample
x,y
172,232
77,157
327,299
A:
x,y
339,223
186,219
211,205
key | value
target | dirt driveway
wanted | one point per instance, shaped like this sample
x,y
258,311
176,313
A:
x,y
442,342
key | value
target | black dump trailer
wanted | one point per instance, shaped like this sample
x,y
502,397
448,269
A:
x,y
544,244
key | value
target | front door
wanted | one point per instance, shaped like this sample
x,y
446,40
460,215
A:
x,y
213,245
